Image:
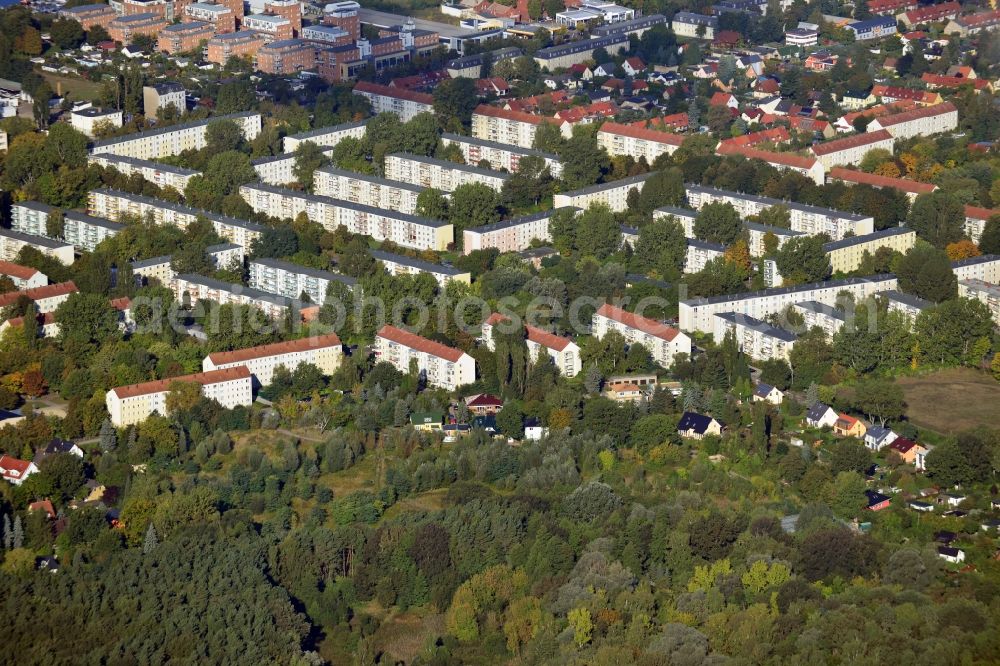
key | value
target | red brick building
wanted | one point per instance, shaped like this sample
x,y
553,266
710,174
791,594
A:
x,y
126,28
90,15
286,57
289,9
184,37
244,43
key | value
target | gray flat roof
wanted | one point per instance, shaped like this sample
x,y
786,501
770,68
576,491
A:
x,y
600,187
317,273
823,309
581,45
37,206
184,210
767,228
705,245
630,25
255,294
867,238
173,128
425,266
768,201
93,221
829,284
907,299
330,129
525,219
374,180
152,261
972,261
677,212
340,203
33,239
760,326
180,171
221,247
448,164
517,150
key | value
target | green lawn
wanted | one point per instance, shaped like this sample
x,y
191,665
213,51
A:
x,y
78,88
953,400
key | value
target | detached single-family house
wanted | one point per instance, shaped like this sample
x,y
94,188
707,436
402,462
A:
x,y
848,426
483,403
534,430
698,426
57,446
487,423
427,421
951,499
877,501
821,416
767,393
16,470
911,452
624,392
923,507
949,554
453,431
634,66
877,437
43,505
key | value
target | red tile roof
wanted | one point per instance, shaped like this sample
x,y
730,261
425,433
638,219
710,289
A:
x,y
642,133
14,468
903,445
643,324
915,114
537,335
274,349
977,213
953,81
203,378
850,142
43,319
494,112
485,400
38,293
933,12
414,341
399,93
665,123
43,505
121,304
898,92
783,159
720,99
773,135
980,19
875,180
17,270
807,124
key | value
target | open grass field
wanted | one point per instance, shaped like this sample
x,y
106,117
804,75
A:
x,y
78,88
952,400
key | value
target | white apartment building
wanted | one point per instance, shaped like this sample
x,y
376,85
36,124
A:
x,y
809,167
816,314
511,235
565,353
580,50
160,96
847,254
663,342
404,103
513,128
756,233
637,142
278,169
163,175
11,243
91,119
755,338
443,366
224,255
30,217
174,139
327,137
46,298
852,149
975,221
86,232
700,252
117,205
985,268
908,304
614,195
804,218
982,291
440,174
366,190
23,277
684,216
922,121
154,268
323,351
499,155
397,264
292,280
697,314
411,231
694,26
192,288
132,404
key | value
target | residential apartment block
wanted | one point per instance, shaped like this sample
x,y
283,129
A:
x,y
443,366
511,235
815,314
911,188
442,175
565,353
89,16
404,103
614,195
240,44
184,37
117,205
975,221
132,404
755,338
700,252
809,167
663,342
23,277
11,243
581,50
804,218
846,254
513,128
284,278
397,264
697,314
908,304
922,121
31,217
272,28
985,268
637,142
154,268
691,25
124,29
499,155
757,233
326,136
367,190
86,232
174,139
324,351
984,292
278,169
46,298
159,96
419,233
683,216
91,119
286,56
163,175
221,18
852,149
190,288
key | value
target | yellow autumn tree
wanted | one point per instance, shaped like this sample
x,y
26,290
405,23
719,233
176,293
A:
x,y
963,249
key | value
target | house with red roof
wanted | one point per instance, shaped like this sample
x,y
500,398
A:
x,y
46,298
442,366
953,82
634,66
15,470
923,121
889,94
975,221
910,452
482,404
23,277
931,13
43,505
662,341
724,99
848,426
